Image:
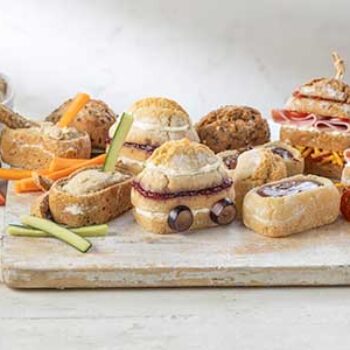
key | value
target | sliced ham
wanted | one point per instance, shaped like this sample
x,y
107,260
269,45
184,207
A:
x,y
332,124
282,116
320,123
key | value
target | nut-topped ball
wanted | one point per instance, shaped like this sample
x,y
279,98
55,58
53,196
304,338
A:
x,y
233,127
183,181
156,121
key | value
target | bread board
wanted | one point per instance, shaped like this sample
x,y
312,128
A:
x,y
217,257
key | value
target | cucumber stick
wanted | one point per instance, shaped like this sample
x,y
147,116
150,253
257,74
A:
x,y
57,231
86,231
119,136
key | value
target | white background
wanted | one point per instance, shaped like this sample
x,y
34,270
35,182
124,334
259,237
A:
x,y
203,54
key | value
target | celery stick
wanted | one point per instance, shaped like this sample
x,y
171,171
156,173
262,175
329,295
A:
x,y
57,231
86,231
119,136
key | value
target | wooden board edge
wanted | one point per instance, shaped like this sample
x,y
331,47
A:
x,y
185,277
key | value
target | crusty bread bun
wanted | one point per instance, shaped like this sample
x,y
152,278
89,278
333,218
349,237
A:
x,y
233,127
180,174
254,168
156,121
322,96
95,118
35,147
276,210
99,205
291,156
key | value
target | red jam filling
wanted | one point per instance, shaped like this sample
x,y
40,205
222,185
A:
x,y
169,195
142,147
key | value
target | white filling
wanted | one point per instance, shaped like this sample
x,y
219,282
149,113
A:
x,y
311,128
161,215
129,161
92,180
185,172
150,127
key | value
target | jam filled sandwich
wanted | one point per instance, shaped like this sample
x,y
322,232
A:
x,y
184,186
316,120
156,121
291,205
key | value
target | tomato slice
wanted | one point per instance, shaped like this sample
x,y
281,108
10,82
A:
x,y
345,205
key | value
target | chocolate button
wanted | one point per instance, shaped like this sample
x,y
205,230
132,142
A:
x,y
223,212
180,218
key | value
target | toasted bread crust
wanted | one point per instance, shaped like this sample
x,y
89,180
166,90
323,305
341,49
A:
x,y
319,107
326,88
337,142
96,208
23,149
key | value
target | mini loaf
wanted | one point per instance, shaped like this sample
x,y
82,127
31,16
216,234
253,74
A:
x,y
89,196
291,205
35,147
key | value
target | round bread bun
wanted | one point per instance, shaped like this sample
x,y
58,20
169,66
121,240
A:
x,y
95,118
182,165
322,96
254,168
158,120
233,127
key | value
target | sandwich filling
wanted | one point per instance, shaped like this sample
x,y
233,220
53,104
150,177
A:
x,y
322,156
92,180
227,183
55,132
287,188
311,120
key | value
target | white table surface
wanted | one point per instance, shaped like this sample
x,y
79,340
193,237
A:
x,y
204,54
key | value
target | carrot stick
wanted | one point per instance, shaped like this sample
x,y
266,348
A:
x,y
62,163
79,101
28,185
18,174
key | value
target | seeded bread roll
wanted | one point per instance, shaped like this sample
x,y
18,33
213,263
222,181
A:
x,y
233,127
95,118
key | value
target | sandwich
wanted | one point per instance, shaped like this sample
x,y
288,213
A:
x,y
316,121
156,121
184,186
291,205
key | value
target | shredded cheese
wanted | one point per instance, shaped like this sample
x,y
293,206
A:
x,y
322,156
